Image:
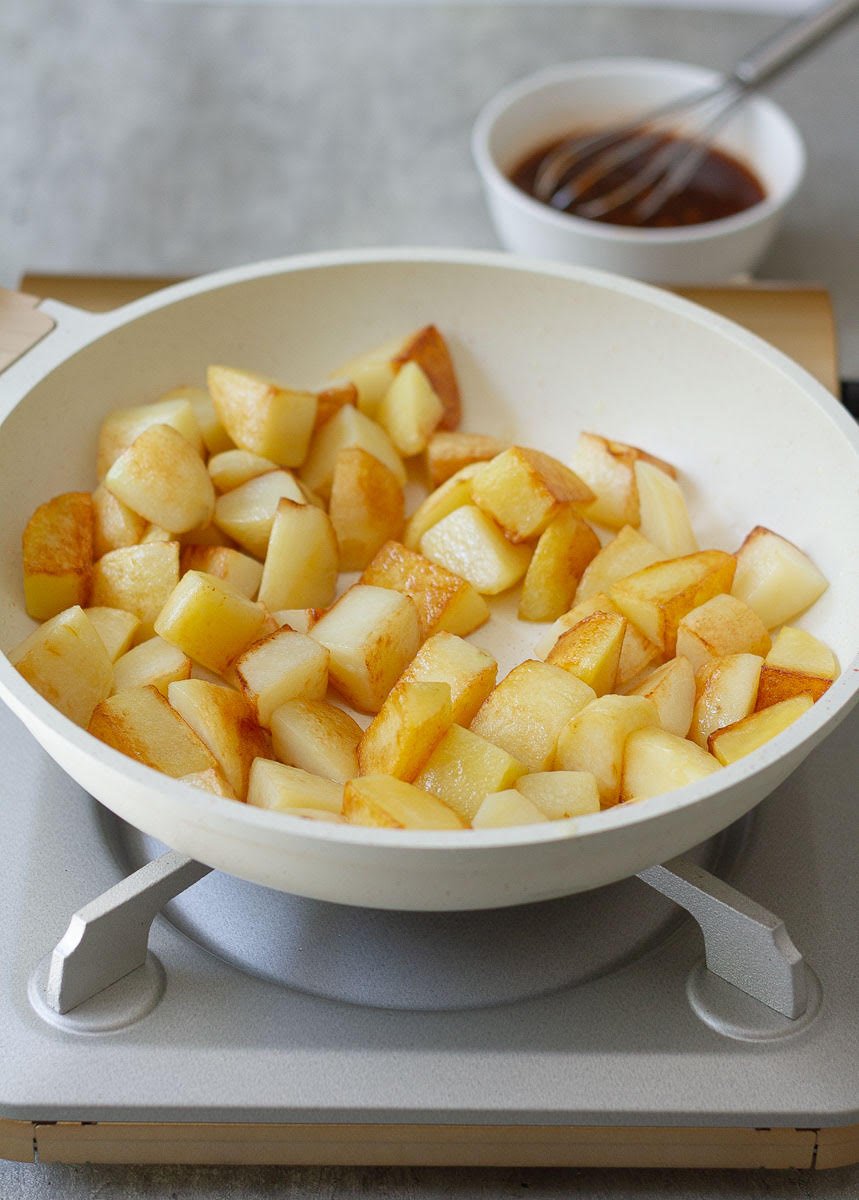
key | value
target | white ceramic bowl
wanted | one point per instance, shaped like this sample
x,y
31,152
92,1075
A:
x,y
599,92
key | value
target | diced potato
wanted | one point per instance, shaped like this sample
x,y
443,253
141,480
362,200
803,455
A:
x,y
448,453
153,663
524,489
777,685
138,579
657,761
453,493
301,620
608,468
162,477
410,410
500,810
470,544
657,598
723,625
561,794
124,425
262,415
737,740
274,785
215,438
386,803
212,781
672,689
464,768
445,602
405,730
114,523
564,549
798,662
232,468
468,671
331,399
208,620
302,559
225,723
526,712
637,653
284,666
347,429
115,627
591,650
66,662
247,512
318,737
372,634
207,535
725,692
58,555
240,571
624,555
664,520
776,578
371,374
367,506
154,533
595,738
141,724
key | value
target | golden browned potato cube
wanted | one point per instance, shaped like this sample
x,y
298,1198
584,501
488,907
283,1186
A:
x,y
672,689
283,666
564,549
663,518
625,554
247,512
452,494
262,415
471,545
595,738
209,621
142,724
445,602
468,671
215,438
58,555
225,723
331,399
723,625
318,737
371,374
66,662
387,803
528,709
372,634
591,650
725,692
232,468
116,628
210,781
138,579
410,410
637,653
656,761
659,597
738,740
448,453
464,768
162,477
777,685
405,730
523,490
776,578
608,468
348,428
367,506
153,663
798,662
124,425
240,571
302,559
561,794
114,524
500,810
275,786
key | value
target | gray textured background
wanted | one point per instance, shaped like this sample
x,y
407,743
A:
x,y
160,138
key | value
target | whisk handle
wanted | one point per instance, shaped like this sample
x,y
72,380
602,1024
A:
x,y
784,47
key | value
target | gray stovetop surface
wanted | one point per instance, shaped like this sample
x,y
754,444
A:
x,y
165,139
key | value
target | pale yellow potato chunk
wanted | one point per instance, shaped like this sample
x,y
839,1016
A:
x,y
225,723
138,579
247,512
798,662
154,533
657,761
501,810
410,410
367,506
209,621
114,523
284,666
723,625
591,650
263,416
331,399
212,781
467,670
624,555
452,494
124,425
448,453
445,602
215,438
348,428
162,477
231,468
405,730
464,768
371,374
775,578
276,786
637,653
561,794
522,490
564,549
526,712
116,628
595,738
725,691
386,803
471,545
142,724
153,663
65,660
301,620
608,468
58,555
240,571
318,737
672,689
736,741
302,559
664,519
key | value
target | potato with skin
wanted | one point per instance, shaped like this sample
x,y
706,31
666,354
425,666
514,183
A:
x,y
232,468
608,468
215,438
240,571
657,761
445,602
672,689
564,549
595,739
57,550
116,628
280,788
366,507
317,737
561,794
142,724
736,741
725,692
152,663
164,479
448,452
500,810
302,559
775,578
522,490
263,416
347,429
454,493
797,662
465,767
211,780
723,625
591,650
138,579
468,671
283,666
405,730
410,410
67,663
124,425
624,555
225,723
663,517
386,803
470,544
637,653
209,621
114,523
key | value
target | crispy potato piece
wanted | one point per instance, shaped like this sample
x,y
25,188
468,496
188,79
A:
x,y
561,794
138,579
232,468
499,810
331,399
302,559
372,634
445,602
387,803
371,374
66,662
657,598
124,425
215,438
720,626
318,737
608,468
162,477
595,738
226,724
284,666
524,489
274,785
657,761
470,544
410,410
240,571
637,653
208,620
58,555
347,429
469,672
263,416
367,506
564,549
448,453
153,663
625,554
428,349
453,493
114,523
212,781
777,685
776,578
405,730
465,767
725,692
141,724
526,712
672,689
737,740
115,627
797,663
591,650
247,512
663,518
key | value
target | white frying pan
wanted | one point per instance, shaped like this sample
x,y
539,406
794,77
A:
x,y
541,353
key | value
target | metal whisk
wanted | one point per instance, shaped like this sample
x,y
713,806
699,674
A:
x,y
574,170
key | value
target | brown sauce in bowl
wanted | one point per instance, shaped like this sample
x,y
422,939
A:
x,y
721,186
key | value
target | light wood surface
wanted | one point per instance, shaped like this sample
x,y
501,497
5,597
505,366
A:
x,y
22,324
17,1140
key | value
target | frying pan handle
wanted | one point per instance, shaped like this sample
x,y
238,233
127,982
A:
x,y
26,320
